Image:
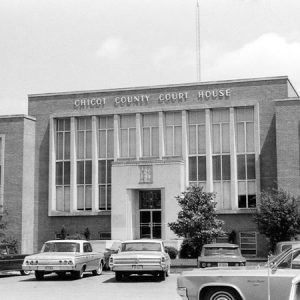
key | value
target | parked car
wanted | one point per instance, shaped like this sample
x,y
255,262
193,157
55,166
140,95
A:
x,y
279,279
282,246
65,256
10,260
140,257
221,255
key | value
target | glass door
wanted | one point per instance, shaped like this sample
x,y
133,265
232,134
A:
x,y
150,214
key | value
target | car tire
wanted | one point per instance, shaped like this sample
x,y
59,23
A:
x,y
99,270
221,294
24,272
78,274
162,275
39,275
118,276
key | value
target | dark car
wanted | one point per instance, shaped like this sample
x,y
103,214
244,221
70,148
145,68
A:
x,y
10,260
221,255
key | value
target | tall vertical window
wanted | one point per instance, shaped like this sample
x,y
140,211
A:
x,y
150,135
221,157
173,134
62,177
245,157
128,136
105,159
84,163
197,148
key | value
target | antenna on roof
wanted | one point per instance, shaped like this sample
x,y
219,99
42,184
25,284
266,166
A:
x,y
198,56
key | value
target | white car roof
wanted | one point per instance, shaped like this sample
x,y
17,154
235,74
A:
x,y
66,241
143,241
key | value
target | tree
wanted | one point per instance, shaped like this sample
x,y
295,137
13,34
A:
x,y
197,221
277,216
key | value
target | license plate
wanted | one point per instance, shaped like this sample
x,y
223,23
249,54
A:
x,y
48,268
222,264
135,267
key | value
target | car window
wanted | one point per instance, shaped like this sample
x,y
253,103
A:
x,y
87,247
285,247
61,247
292,260
214,251
141,247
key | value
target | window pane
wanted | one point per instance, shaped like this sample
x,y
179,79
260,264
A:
x,y
216,167
226,195
155,142
67,172
242,198
192,168
201,168
225,138
240,136
217,190
67,198
102,201
216,138
88,123
250,137
201,140
169,141
150,120
67,124
59,173
226,167
59,145
88,197
88,144
241,167
81,123
80,197
88,172
251,194
102,143
67,145
108,197
102,123
110,122
60,124
80,172
109,163
251,166
146,141
59,198
80,144
102,171
192,139
177,118
178,139
124,143
169,118
132,144
110,143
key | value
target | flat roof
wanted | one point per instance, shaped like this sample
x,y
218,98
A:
x,y
17,117
163,86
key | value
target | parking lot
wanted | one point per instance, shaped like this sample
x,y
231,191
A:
x,y
104,287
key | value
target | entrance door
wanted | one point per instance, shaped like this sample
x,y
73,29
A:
x,y
150,214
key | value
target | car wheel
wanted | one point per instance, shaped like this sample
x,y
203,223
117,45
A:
x,y
24,272
162,275
222,294
39,275
118,276
99,270
78,274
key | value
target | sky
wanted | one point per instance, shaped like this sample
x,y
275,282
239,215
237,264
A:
x,y
49,46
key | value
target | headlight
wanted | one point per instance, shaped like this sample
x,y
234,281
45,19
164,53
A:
x,y
209,264
203,265
32,262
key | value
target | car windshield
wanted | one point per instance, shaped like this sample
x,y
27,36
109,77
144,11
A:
x,y
213,251
141,247
61,247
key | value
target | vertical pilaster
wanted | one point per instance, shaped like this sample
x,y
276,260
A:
x,y
73,192
257,147
52,165
161,135
185,146
138,136
116,137
233,161
95,190
208,141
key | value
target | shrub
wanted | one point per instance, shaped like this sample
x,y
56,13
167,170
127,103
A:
x,y
173,252
189,249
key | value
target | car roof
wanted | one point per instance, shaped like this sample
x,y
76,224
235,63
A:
x,y
219,245
143,241
67,241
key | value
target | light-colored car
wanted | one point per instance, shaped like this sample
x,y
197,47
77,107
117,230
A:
x,y
282,246
140,257
221,255
65,256
279,279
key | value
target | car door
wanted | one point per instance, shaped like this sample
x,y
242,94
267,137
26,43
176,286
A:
x,y
88,256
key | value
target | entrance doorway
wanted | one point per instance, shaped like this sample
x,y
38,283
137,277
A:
x,y
150,214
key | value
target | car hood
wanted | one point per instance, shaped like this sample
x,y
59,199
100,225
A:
x,y
221,258
51,255
129,254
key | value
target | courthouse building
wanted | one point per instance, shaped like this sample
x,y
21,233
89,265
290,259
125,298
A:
x,y
113,161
